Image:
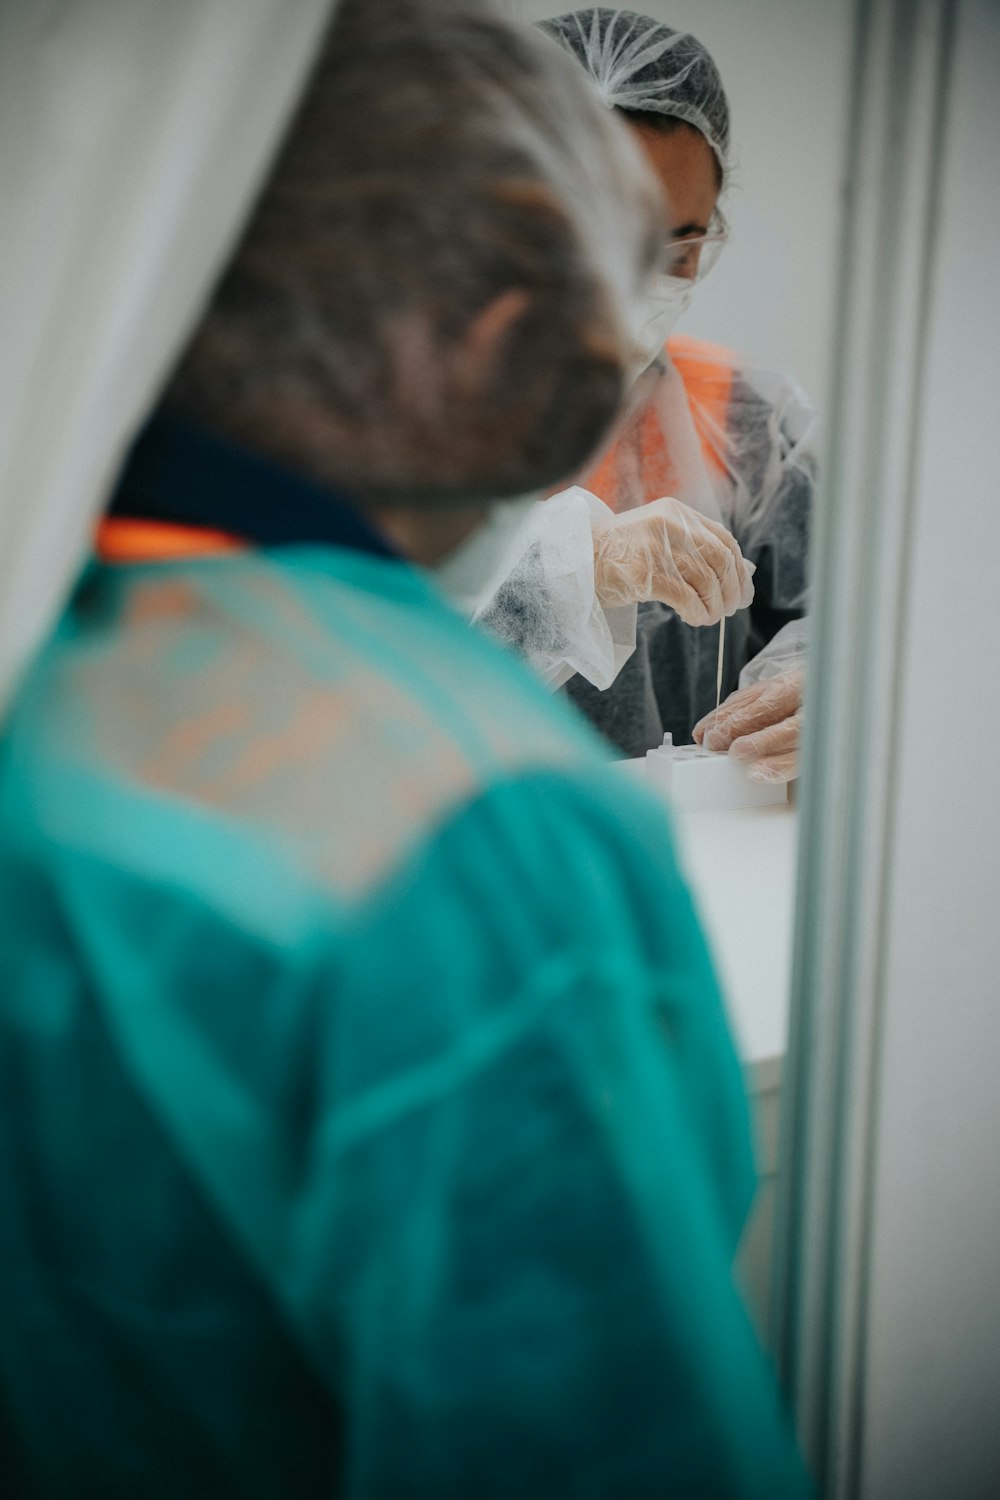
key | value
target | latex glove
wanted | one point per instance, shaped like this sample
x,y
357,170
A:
x,y
760,724
669,552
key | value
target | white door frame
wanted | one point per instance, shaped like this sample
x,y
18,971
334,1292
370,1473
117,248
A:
x,y
901,77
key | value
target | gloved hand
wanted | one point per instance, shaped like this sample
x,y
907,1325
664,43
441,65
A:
x,y
669,552
760,724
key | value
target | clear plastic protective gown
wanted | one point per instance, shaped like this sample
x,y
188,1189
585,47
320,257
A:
x,y
544,602
739,444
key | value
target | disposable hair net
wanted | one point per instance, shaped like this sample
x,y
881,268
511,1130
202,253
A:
x,y
134,137
642,65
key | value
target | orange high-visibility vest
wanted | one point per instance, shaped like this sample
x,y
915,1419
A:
x,y
640,453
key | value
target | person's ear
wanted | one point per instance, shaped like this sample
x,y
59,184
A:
x,y
484,337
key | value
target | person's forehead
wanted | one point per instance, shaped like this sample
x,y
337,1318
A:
x,y
685,167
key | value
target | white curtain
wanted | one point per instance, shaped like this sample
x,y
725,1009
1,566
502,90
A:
x,y
133,137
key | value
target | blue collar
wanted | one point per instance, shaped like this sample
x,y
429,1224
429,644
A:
x,y
183,474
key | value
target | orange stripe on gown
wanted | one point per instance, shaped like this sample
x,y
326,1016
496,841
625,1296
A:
x,y
123,540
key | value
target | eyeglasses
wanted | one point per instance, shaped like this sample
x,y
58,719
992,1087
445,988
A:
x,y
694,256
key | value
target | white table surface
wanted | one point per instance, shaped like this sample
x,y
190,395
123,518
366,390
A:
x,y
741,868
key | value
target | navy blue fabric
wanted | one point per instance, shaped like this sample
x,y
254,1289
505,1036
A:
x,y
180,473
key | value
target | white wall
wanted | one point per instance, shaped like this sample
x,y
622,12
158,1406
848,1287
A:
x,y
784,64
931,1396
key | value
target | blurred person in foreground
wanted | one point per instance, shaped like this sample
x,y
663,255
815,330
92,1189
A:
x,y
371,1125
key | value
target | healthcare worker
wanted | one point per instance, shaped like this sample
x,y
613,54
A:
x,y
733,441
370,1123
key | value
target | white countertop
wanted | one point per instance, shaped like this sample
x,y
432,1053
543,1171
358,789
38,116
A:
x,y
741,868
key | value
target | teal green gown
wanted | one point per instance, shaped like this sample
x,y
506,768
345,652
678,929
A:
x,y
369,1121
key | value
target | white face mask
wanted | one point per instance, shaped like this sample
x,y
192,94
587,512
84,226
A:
x,y
666,303
471,574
